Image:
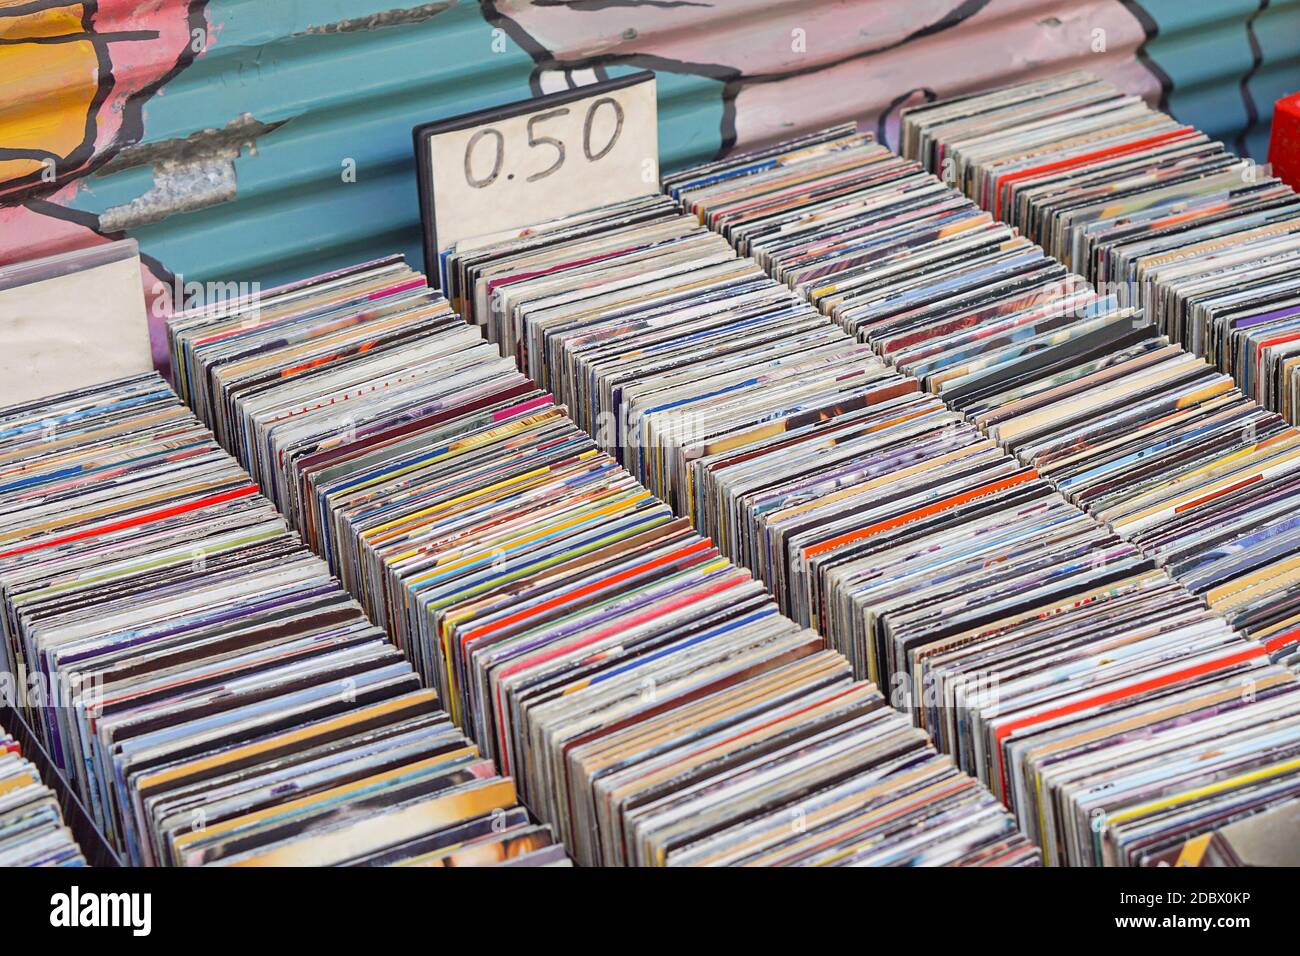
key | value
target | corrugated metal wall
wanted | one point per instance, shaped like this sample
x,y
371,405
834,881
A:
x,y
1224,64
221,133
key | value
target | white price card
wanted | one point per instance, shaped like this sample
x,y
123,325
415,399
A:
x,y
72,320
530,161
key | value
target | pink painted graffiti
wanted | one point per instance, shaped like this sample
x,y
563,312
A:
x,y
798,66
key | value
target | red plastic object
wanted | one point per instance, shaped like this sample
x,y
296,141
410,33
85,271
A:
x,y
1284,141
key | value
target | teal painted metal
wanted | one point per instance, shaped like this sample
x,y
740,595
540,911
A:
x,y
341,101
1226,64
330,101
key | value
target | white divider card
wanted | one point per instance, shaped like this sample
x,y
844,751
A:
x,y
72,320
534,160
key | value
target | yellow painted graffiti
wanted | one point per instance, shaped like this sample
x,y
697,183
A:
x,y
51,70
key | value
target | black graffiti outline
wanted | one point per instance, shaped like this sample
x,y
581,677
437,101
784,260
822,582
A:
x,y
90,220
733,79
882,122
84,159
1257,61
1151,30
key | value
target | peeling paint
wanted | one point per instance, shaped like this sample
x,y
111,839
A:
x,y
242,132
400,16
177,187
188,174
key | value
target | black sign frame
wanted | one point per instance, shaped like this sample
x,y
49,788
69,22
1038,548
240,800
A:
x,y
422,134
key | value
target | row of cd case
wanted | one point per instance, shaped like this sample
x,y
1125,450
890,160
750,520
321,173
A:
x,y
32,829
647,695
932,443
208,689
1206,243
1147,438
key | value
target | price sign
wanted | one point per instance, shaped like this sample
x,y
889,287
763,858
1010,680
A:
x,y
526,162
72,320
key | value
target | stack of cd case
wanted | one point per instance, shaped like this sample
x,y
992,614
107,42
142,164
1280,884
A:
x,y
1206,243
864,492
646,693
1082,389
1148,438
209,691
32,830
